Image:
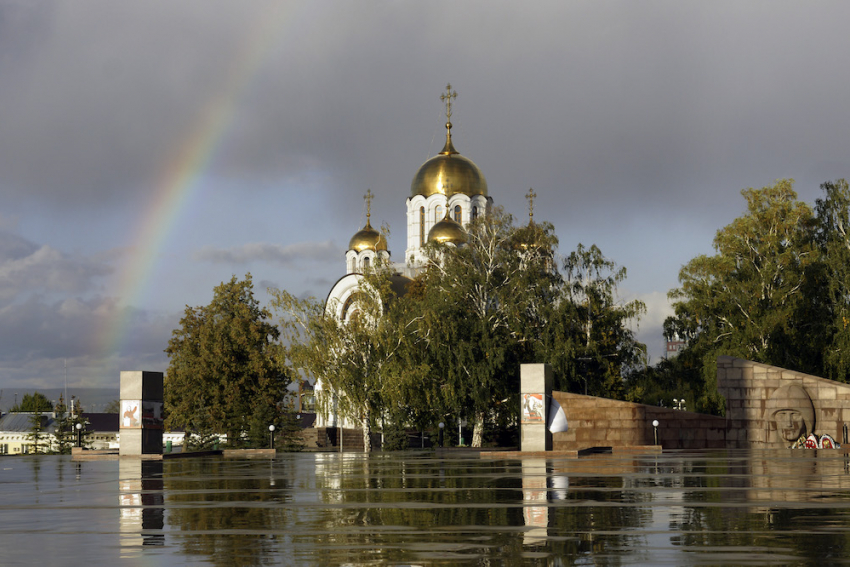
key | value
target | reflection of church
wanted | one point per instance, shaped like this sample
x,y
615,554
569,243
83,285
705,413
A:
x,y
447,192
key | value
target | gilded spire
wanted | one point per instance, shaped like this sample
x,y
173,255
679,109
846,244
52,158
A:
x,y
530,196
447,97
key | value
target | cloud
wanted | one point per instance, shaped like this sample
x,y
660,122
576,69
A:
x,y
271,253
650,329
37,336
26,268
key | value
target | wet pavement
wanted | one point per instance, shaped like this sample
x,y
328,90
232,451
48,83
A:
x,y
676,508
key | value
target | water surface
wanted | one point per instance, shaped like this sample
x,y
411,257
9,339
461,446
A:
x,y
677,508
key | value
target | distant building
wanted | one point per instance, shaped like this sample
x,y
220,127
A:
x,y
674,346
101,431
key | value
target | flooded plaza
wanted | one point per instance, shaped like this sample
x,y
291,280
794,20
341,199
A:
x,y
769,507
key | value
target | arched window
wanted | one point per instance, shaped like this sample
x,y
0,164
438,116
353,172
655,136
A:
x,y
421,226
458,216
438,213
365,263
474,213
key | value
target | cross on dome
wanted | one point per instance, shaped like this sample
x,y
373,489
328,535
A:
x,y
368,198
530,196
447,98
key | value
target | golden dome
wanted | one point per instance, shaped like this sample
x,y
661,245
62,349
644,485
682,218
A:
x,y
367,239
447,231
448,173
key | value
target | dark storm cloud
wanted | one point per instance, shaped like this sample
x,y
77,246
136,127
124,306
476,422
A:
x,y
272,253
651,105
26,268
38,337
637,124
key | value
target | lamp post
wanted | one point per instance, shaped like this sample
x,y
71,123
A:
x,y
271,436
441,425
655,430
79,427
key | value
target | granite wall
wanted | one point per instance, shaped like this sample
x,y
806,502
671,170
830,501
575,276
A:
x,y
600,422
768,407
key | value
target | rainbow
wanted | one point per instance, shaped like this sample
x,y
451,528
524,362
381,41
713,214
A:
x,y
180,180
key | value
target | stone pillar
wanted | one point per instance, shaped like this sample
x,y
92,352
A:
x,y
141,413
536,382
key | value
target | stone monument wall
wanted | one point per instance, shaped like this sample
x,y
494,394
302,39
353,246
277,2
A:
x,y
769,407
600,422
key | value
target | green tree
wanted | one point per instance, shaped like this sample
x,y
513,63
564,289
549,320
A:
x,y
588,341
347,356
473,317
63,430
223,366
35,402
833,240
749,298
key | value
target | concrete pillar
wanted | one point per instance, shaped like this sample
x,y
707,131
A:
x,y
141,413
536,382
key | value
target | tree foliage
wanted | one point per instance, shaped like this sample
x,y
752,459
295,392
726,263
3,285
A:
x,y
473,318
224,374
35,402
348,356
451,347
833,241
776,291
589,342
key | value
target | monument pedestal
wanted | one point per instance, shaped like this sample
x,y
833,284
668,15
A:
x,y
141,413
536,382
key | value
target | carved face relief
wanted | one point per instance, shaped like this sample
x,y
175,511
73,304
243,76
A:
x,y
789,413
790,424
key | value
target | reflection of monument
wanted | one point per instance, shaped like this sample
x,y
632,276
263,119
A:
x,y
141,505
790,415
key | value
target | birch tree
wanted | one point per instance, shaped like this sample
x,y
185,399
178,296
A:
x,y
478,308
748,299
347,356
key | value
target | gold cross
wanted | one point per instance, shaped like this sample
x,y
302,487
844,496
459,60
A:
x,y
530,196
368,196
447,97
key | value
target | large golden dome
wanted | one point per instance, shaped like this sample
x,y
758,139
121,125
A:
x,y
448,173
367,239
447,231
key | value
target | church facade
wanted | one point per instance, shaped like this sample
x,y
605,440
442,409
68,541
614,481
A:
x,y
447,192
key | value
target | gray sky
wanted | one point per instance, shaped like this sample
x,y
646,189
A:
x,y
150,150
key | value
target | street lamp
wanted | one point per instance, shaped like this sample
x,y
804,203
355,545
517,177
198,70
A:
x,y
271,436
655,430
79,427
441,425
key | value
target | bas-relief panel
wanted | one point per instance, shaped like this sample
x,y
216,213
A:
x,y
792,421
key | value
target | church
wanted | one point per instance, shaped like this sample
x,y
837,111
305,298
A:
x,y
447,192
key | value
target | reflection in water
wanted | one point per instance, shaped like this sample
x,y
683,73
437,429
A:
x,y
678,508
141,502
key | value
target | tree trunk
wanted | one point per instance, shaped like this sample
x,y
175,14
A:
x,y
478,430
367,433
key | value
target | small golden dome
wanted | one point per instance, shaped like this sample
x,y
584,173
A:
x,y
367,239
448,172
447,231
